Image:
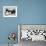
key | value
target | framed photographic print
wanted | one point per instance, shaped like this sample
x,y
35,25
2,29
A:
x,y
32,32
9,11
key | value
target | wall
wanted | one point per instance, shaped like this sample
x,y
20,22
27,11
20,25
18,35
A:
x,y
7,25
29,12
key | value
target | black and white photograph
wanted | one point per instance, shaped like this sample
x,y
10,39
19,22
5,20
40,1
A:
x,y
9,11
29,34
